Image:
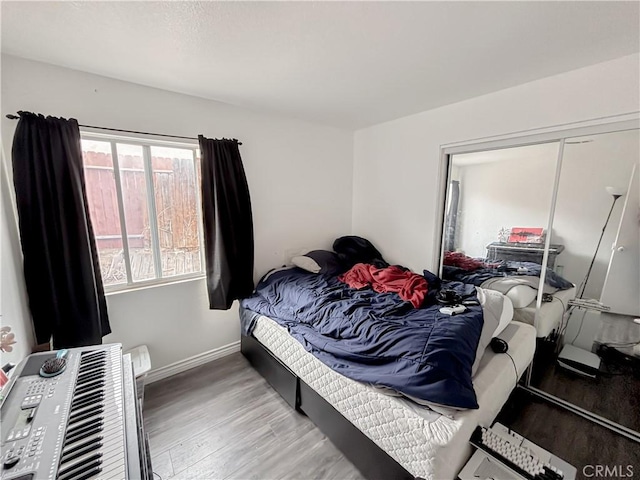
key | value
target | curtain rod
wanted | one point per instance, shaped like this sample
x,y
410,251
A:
x,y
11,116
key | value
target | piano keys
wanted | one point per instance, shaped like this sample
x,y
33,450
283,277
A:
x,y
82,424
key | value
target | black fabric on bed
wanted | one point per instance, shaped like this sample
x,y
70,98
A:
x,y
353,249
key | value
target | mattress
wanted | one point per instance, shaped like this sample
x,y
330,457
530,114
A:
x,y
427,444
551,313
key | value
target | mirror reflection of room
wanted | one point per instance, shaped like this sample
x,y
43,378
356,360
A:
x,y
587,307
591,360
498,206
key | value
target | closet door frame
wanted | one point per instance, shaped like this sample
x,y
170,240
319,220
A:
x,y
552,134
628,121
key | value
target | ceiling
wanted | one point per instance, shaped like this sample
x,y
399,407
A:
x,y
347,64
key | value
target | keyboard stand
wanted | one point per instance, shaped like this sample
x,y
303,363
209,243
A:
x,y
483,465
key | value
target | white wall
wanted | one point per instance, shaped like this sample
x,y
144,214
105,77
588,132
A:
x,y
622,282
396,164
299,175
305,190
13,299
513,192
583,204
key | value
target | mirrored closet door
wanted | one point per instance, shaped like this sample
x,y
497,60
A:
x,y
491,196
555,226
591,361
498,205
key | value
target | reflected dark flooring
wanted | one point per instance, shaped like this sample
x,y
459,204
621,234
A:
x,y
614,394
576,440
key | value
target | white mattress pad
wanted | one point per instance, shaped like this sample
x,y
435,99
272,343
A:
x,y
428,445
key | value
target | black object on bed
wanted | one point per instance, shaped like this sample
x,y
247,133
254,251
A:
x,y
352,249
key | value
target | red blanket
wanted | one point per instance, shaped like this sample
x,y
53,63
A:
x,y
460,260
410,286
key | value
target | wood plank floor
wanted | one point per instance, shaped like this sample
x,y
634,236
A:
x,y
615,396
223,421
570,437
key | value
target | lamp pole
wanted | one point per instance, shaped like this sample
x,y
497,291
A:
x,y
586,278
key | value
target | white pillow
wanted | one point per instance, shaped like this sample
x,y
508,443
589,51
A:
x,y
522,290
497,311
505,317
491,311
306,263
521,295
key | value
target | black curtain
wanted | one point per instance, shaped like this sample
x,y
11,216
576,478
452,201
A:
x,y
228,223
61,268
451,223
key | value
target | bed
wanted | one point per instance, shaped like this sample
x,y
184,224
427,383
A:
x,y
519,281
523,297
384,435
551,313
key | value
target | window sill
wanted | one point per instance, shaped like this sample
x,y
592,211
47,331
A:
x,y
120,289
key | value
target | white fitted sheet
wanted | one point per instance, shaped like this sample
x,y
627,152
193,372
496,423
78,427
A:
x,y
426,444
551,313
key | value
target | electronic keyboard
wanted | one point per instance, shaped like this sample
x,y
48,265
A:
x,y
83,422
522,459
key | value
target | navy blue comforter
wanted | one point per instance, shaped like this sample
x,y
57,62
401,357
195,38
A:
x,y
504,269
376,338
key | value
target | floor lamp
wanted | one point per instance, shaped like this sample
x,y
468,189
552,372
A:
x,y
577,359
616,194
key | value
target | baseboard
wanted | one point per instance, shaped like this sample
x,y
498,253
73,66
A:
x,y
191,362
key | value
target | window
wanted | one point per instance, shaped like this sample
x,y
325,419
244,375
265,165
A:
x,y
145,209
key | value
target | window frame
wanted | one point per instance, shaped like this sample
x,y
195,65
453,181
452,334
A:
x,y
146,143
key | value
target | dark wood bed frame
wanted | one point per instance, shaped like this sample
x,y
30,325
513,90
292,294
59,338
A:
x,y
369,458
